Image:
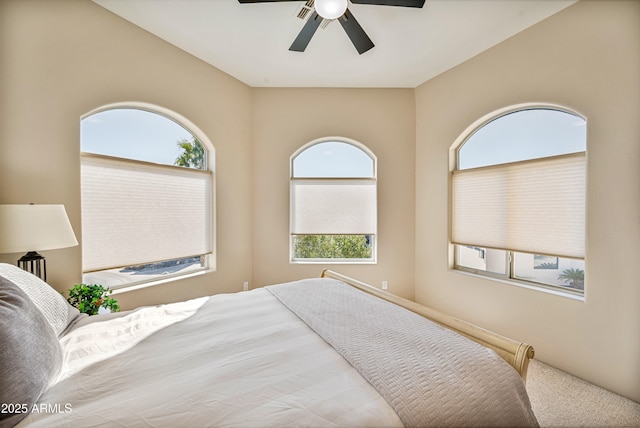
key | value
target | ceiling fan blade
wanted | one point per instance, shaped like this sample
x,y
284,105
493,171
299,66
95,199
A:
x,y
404,3
358,37
307,32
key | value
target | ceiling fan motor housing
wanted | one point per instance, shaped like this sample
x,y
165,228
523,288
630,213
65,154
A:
x,y
330,9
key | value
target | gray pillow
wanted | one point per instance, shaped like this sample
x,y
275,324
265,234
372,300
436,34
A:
x,y
30,353
55,308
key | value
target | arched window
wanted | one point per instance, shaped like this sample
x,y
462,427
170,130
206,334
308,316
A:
x,y
333,203
518,197
147,197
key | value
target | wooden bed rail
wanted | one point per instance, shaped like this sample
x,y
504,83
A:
x,y
517,354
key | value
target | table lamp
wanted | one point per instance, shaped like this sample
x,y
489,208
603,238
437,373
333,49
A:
x,y
34,228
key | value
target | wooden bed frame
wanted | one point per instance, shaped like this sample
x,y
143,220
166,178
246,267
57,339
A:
x,y
517,354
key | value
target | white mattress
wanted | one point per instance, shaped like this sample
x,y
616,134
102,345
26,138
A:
x,y
238,360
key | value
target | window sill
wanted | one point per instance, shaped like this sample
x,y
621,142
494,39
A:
x,y
522,284
332,262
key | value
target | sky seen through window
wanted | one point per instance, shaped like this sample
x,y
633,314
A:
x,y
522,135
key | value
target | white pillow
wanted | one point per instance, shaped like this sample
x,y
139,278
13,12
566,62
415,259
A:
x,y
55,308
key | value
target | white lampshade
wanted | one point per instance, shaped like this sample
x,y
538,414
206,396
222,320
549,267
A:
x,y
34,228
330,9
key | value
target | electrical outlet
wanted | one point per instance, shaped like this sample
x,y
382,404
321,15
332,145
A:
x,y
245,286
385,285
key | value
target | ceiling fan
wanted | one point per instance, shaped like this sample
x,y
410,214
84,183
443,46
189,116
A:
x,y
337,9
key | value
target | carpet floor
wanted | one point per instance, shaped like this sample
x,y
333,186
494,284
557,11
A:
x,y
561,400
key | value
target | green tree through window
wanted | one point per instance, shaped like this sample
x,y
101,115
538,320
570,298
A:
x,y
192,155
332,247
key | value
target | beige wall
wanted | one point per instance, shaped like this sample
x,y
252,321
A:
x,y
384,121
587,58
64,58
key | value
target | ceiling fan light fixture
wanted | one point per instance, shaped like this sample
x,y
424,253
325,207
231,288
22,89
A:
x,y
330,9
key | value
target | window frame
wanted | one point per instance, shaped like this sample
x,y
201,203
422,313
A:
x,y
509,277
208,261
373,238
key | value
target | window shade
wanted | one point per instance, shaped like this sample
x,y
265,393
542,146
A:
x,y
535,206
333,206
135,212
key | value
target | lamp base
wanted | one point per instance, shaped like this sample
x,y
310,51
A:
x,y
35,263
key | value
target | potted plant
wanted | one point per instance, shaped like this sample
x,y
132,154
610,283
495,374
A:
x,y
89,298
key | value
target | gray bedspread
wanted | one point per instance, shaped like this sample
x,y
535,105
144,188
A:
x,y
431,376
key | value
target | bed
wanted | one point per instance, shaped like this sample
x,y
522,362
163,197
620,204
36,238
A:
x,y
328,351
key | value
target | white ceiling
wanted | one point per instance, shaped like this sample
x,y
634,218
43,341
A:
x,y
251,41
